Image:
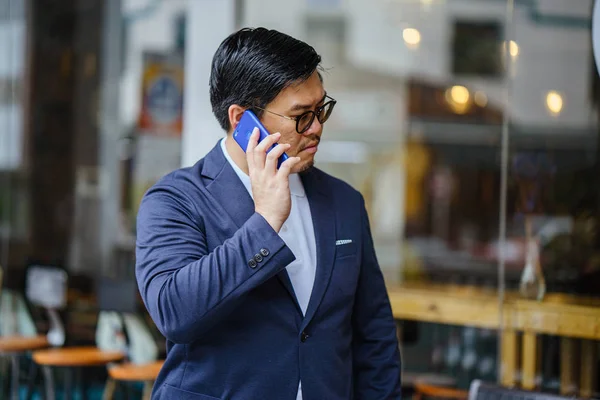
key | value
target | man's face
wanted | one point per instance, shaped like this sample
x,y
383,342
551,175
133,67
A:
x,y
293,101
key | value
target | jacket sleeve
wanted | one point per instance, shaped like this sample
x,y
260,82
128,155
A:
x,y
376,357
186,288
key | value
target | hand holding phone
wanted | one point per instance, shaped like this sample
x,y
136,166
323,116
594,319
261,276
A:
x,y
270,186
244,129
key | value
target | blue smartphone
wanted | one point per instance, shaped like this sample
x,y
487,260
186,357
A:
x,y
244,129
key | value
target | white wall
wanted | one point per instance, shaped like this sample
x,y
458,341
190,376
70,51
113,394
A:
x,y
209,22
284,16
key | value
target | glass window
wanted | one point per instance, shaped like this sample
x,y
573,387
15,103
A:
x,y
471,130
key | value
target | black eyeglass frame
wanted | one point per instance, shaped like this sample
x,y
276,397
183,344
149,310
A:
x,y
315,114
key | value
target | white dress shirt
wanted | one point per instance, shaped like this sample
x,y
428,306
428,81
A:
x,y
298,234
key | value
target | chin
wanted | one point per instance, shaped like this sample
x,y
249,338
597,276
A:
x,y
303,166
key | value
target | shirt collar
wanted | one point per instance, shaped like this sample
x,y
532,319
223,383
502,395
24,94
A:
x,y
296,186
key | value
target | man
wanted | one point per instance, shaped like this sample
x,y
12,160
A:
x,y
263,280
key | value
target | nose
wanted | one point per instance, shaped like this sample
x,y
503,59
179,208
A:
x,y
315,127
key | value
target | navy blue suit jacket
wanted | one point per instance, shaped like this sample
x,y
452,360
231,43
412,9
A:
x,y
234,328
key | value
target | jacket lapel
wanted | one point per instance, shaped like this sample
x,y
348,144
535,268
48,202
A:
x,y
227,188
323,217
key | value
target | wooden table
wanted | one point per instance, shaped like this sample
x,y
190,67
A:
x,y
575,319
13,347
20,344
71,358
76,357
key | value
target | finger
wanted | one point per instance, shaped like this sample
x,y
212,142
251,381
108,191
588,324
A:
x,y
287,166
268,142
260,151
252,142
273,155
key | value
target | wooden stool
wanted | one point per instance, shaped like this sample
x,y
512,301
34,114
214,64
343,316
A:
x,y
128,372
423,389
71,357
14,347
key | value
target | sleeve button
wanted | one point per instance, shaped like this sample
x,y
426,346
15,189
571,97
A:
x,y
252,263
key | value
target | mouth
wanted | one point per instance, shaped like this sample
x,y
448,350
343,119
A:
x,y
311,148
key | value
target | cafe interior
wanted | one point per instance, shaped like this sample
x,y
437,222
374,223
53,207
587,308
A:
x,y
479,165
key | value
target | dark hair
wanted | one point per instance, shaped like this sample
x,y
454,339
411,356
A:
x,y
252,66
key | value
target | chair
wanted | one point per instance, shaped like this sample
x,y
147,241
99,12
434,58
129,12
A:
x,y
480,390
15,316
47,287
18,336
120,327
128,372
14,347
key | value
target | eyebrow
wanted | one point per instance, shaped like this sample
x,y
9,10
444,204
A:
x,y
298,107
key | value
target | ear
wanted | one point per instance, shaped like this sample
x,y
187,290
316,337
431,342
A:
x,y
235,113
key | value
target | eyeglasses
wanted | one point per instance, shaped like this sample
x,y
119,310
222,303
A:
x,y
304,121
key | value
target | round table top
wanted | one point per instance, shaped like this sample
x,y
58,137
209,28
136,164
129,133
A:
x,y
136,372
18,344
76,357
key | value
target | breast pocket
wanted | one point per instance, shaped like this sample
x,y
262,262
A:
x,y
346,269
345,250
